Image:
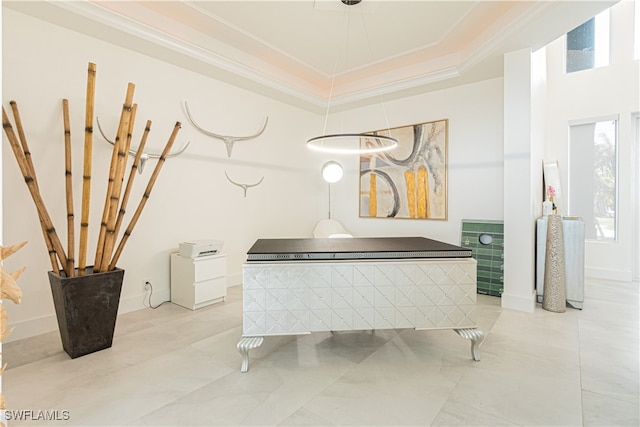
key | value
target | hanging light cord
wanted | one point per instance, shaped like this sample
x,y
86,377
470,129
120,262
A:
x,y
384,142
347,12
366,34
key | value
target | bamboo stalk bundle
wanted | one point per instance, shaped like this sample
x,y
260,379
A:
x,y
116,199
68,190
97,265
86,172
114,202
120,140
145,196
132,174
27,155
33,189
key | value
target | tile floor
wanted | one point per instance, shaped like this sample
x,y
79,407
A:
x,y
172,366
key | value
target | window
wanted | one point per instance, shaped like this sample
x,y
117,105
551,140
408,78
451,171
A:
x,y
593,172
588,44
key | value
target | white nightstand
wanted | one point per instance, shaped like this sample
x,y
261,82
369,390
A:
x,y
197,282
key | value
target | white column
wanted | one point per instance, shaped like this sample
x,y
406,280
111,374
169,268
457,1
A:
x,y
524,80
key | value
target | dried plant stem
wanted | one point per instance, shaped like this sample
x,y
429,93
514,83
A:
x,y
27,155
118,145
68,190
145,196
132,175
33,189
97,265
123,155
86,172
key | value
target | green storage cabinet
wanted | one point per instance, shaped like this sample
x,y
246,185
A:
x,y
485,239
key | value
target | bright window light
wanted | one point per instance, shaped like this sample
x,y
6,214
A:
x,y
602,39
593,177
587,46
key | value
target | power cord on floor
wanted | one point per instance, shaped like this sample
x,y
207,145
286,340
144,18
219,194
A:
x,y
149,287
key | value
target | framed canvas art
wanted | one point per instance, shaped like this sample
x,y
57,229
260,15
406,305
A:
x,y
410,181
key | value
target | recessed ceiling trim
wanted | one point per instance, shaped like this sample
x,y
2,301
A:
x,y
159,38
145,32
230,42
397,86
248,34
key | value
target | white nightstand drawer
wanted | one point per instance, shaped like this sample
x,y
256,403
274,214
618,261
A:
x,y
207,268
210,290
196,282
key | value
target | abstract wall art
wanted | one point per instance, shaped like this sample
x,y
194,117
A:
x,y
410,181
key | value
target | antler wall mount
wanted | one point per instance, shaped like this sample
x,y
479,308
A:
x,y
144,156
227,139
245,187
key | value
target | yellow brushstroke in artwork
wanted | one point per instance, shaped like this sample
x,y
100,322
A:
x,y
410,180
373,195
427,193
423,193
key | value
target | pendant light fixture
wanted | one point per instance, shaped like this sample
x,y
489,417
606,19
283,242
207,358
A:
x,y
331,172
351,143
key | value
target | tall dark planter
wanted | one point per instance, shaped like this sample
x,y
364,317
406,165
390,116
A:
x,y
86,308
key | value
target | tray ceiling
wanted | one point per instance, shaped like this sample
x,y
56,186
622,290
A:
x,y
297,50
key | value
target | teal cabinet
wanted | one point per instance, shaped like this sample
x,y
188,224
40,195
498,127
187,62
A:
x,y
485,239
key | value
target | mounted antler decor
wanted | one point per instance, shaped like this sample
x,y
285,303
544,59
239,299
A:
x,y
84,327
228,140
245,187
143,156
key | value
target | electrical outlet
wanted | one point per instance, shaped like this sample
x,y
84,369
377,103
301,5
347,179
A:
x,y
146,284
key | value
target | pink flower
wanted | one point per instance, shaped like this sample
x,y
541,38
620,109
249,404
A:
x,y
550,191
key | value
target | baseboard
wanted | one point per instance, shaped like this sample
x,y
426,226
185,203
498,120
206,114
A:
x,y
42,325
519,302
32,327
234,279
608,274
141,301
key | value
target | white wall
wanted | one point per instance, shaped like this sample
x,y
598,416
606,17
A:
x,y
192,199
612,90
43,63
475,172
